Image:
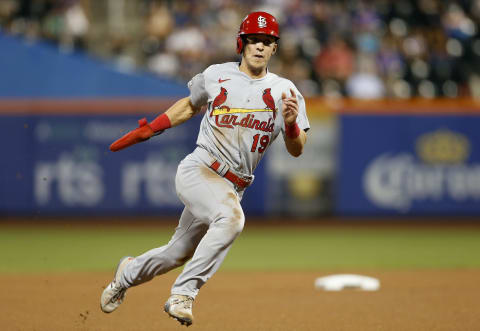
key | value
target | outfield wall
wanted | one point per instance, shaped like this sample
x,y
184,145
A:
x,y
56,160
415,157
362,158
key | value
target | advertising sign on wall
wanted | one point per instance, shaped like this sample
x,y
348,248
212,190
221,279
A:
x,y
409,164
62,165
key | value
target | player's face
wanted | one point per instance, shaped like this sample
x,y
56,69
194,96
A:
x,y
258,50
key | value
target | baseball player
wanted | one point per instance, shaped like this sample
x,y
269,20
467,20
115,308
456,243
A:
x,y
246,108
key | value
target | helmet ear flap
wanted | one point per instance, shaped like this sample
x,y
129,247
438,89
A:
x,y
239,45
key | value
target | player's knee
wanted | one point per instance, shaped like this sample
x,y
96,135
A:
x,y
167,262
180,260
237,221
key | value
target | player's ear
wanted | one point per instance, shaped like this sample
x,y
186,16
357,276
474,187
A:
x,y
275,46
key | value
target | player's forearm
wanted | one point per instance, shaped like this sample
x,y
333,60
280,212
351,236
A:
x,y
295,145
181,111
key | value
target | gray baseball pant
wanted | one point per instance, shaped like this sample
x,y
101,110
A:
x,y
210,222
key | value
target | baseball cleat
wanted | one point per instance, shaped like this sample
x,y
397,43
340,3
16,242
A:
x,y
180,308
114,294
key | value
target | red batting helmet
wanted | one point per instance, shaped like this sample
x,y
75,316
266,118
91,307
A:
x,y
258,22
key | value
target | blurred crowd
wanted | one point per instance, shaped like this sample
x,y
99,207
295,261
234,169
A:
x,y
63,22
356,48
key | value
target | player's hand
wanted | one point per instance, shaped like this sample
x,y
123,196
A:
x,y
289,108
142,133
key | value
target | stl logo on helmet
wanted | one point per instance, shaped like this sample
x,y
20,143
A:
x,y
262,22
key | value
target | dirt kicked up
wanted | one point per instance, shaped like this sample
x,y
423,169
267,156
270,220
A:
x,y
407,300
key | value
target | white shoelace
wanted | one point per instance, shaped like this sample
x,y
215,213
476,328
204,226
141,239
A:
x,y
187,302
119,295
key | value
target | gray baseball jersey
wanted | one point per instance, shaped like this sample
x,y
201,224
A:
x,y
242,119
243,116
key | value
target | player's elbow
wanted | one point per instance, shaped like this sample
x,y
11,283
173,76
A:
x,y
295,149
296,152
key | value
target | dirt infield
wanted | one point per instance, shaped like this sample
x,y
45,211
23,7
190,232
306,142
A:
x,y
408,300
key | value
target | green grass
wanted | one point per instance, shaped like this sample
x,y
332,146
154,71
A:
x,y
313,248
75,249
388,248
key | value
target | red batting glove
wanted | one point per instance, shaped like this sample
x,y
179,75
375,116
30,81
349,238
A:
x,y
142,133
